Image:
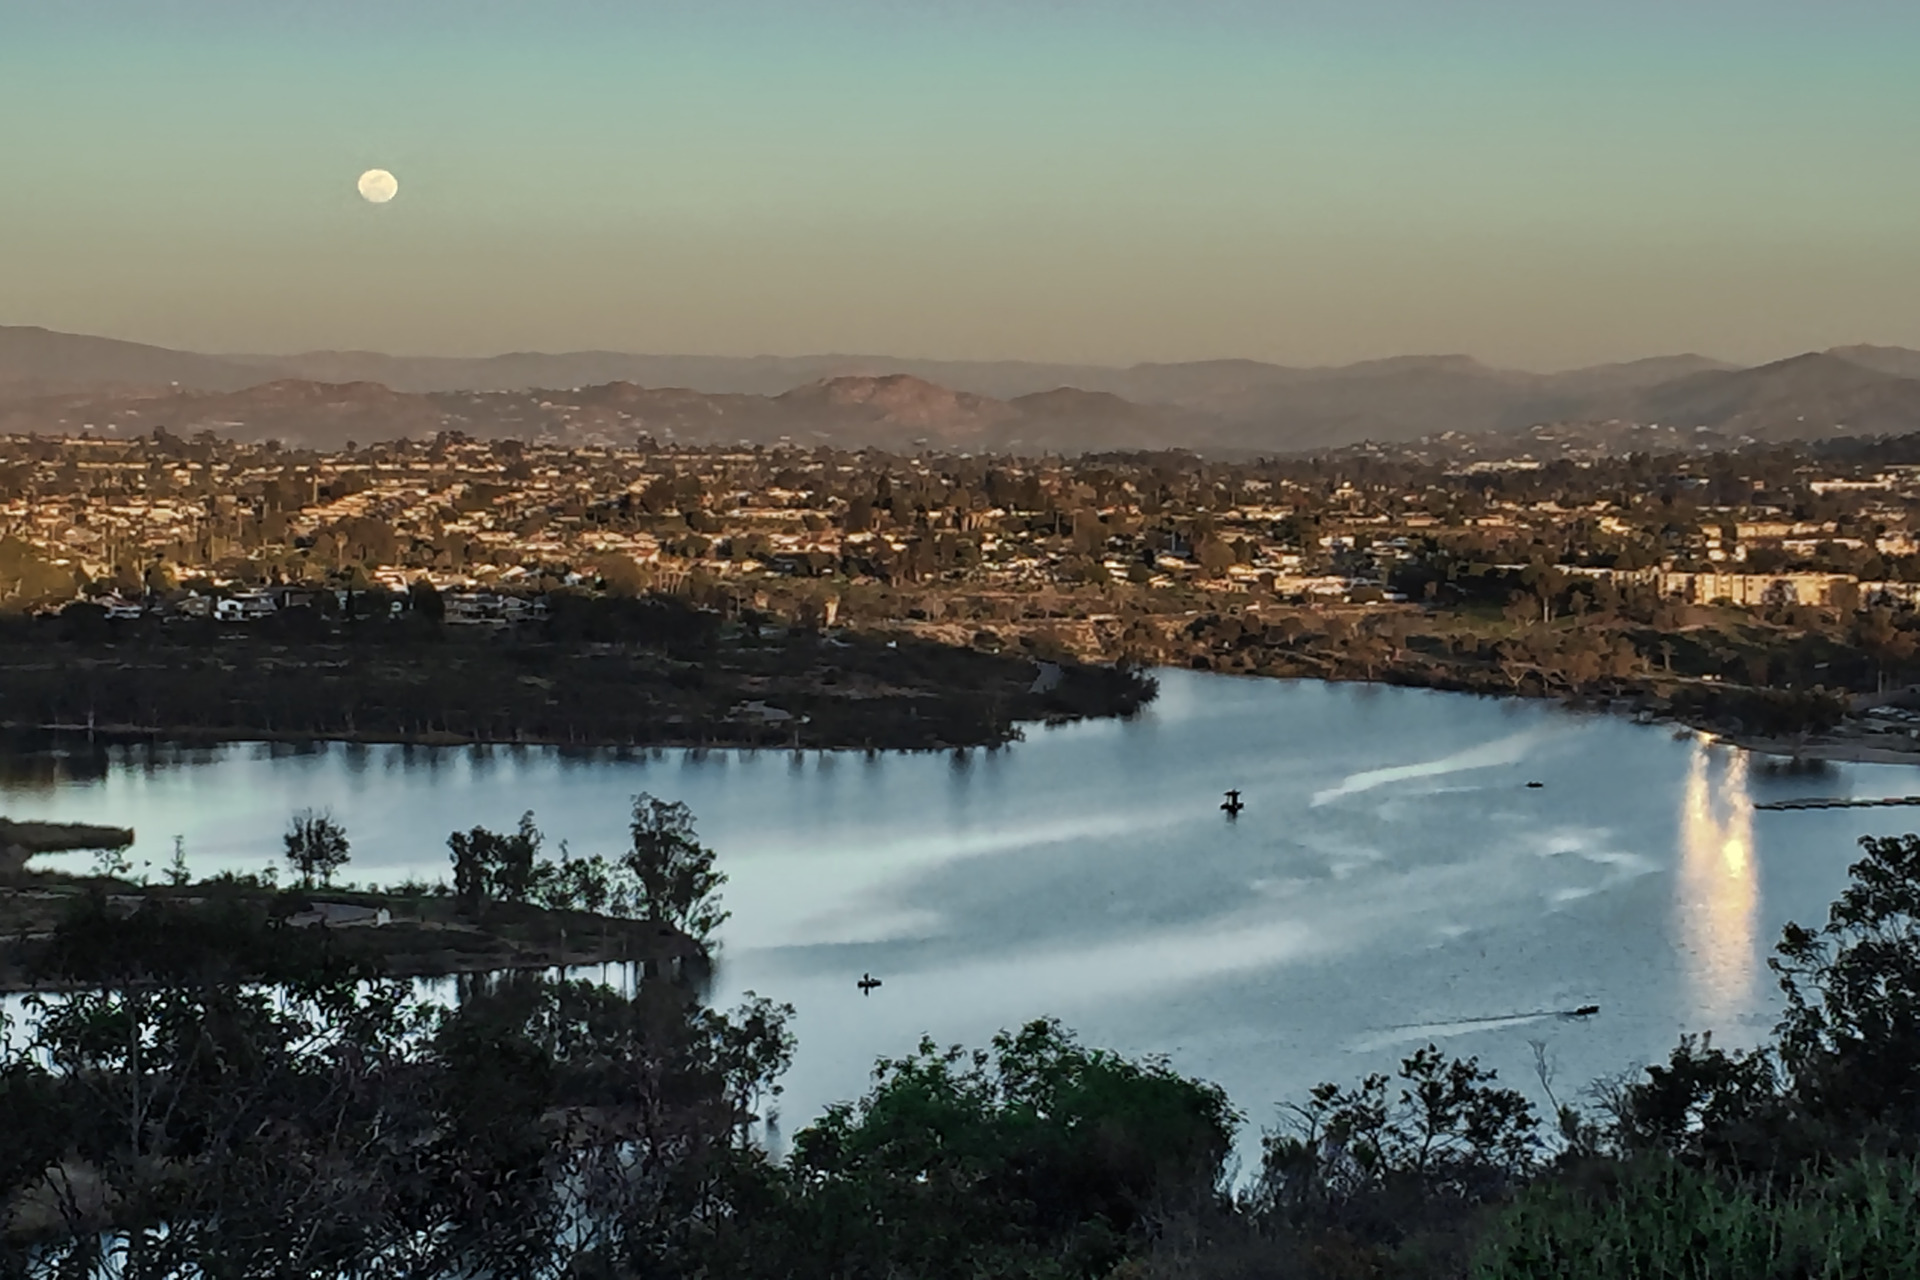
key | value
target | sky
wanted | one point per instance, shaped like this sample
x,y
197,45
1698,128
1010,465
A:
x,y
1539,183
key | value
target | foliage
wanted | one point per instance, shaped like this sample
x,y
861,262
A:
x,y
1851,1035
178,874
621,673
111,864
488,865
1658,1218
1731,1158
537,1129
316,846
1038,1158
225,938
585,884
674,873
1703,1103
1451,1130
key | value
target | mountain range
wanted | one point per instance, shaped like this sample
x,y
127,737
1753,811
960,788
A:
x,y
53,381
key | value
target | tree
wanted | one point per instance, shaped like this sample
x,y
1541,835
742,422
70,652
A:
x,y
316,846
1037,1158
470,879
337,1126
159,578
1214,555
487,864
1851,1034
677,882
1453,1131
1890,647
424,599
622,576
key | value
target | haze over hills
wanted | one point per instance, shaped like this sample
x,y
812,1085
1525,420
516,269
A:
x,y
41,361
893,411
1806,397
63,382
1898,361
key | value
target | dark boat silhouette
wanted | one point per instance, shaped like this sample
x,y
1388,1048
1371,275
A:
x,y
867,983
1535,786
1232,804
1585,1011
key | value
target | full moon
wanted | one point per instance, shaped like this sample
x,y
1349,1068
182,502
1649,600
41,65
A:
x,y
379,186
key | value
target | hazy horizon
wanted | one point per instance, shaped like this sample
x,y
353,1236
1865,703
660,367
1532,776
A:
x,y
905,357
1543,186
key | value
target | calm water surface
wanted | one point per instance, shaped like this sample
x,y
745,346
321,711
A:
x,y
1392,881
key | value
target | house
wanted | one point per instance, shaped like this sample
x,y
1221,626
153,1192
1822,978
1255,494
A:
x,y
244,606
341,915
491,608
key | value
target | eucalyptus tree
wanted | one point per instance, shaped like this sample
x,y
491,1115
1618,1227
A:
x,y
316,846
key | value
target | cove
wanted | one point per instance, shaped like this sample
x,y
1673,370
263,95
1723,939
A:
x,y
1392,881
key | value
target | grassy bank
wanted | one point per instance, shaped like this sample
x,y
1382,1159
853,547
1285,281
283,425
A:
x,y
57,932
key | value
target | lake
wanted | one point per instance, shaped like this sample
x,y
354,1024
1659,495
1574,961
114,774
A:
x,y
1392,881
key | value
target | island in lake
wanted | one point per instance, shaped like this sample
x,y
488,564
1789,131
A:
x,y
508,909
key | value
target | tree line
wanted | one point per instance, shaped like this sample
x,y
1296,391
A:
x,y
665,876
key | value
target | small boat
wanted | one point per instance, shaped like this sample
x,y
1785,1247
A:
x,y
1535,786
1585,1011
867,983
1232,804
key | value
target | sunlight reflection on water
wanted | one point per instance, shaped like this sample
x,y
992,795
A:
x,y
1719,886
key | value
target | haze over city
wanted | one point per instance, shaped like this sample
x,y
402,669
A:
x,y
1538,185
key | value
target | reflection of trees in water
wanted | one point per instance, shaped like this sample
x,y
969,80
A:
x,y
35,760
43,760
1719,885
1793,767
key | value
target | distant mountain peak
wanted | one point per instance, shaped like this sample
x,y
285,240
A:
x,y
1453,363
897,397
1902,362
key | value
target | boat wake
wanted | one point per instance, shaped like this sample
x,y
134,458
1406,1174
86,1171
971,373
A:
x,y
1440,1030
1509,750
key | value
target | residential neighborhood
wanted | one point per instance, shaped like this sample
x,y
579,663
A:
x,y
211,528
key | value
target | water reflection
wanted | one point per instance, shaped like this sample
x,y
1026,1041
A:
x,y
1719,887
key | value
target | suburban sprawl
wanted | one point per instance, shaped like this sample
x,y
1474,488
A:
x,y
1766,591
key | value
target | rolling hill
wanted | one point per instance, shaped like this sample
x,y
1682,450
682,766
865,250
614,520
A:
x,y
65,382
1808,397
35,361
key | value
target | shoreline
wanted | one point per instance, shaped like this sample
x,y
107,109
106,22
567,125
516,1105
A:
x,y
122,735
1643,706
851,692
1826,752
400,935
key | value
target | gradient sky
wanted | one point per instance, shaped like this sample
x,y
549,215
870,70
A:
x,y
1540,183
